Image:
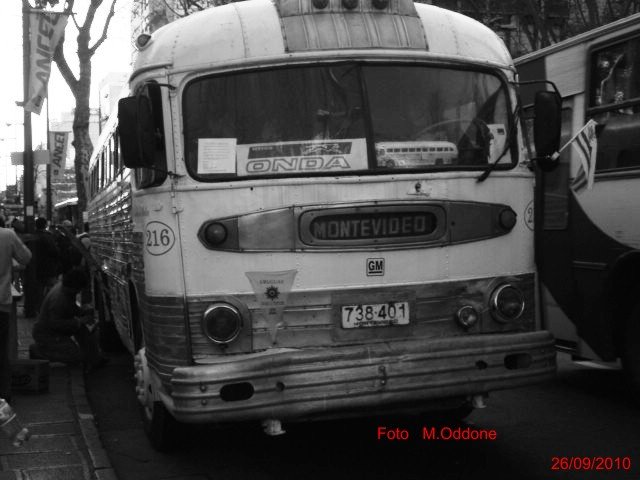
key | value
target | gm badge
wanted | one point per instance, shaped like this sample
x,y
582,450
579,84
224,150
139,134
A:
x,y
375,267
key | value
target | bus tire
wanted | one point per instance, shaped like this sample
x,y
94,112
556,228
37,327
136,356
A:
x,y
159,425
108,334
630,350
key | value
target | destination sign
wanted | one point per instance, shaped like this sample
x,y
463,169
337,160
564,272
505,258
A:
x,y
360,226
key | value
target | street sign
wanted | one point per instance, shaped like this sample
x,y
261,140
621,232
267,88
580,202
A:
x,y
40,157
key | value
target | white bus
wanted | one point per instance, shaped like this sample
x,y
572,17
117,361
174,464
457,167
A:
x,y
589,236
261,261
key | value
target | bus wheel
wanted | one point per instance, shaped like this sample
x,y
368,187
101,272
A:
x,y
159,424
109,338
631,350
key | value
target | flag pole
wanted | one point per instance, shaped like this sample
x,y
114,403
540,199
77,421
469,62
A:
x,y
27,176
49,213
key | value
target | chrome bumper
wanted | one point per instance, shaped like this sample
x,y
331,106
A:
x,y
287,384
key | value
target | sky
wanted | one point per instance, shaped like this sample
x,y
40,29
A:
x,y
112,56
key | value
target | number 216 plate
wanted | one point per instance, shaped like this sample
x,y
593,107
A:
x,y
375,314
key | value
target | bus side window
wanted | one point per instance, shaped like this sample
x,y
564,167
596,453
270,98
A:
x,y
615,93
116,154
151,177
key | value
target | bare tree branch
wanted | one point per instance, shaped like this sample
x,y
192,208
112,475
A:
x,y
581,12
103,37
170,8
63,66
196,4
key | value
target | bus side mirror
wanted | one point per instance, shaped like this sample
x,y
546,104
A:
x,y
546,128
136,131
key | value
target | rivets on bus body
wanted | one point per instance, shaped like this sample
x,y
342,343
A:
x,y
203,402
380,4
203,387
383,373
320,4
349,4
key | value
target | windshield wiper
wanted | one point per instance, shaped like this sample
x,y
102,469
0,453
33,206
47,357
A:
x,y
492,166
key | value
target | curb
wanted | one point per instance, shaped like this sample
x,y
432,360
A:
x,y
100,463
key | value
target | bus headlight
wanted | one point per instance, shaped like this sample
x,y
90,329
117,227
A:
x,y
507,303
221,323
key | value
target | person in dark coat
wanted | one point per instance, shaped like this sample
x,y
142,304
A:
x,y
42,275
70,256
65,332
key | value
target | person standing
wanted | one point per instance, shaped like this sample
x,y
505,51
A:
x,y
43,272
11,248
70,257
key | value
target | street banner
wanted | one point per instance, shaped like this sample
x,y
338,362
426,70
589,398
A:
x,y
45,31
58,142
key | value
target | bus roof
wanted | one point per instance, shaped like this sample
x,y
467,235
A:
x,y
598,33
264,29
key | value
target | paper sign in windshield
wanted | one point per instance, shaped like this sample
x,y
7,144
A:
x,y
216,155
313,156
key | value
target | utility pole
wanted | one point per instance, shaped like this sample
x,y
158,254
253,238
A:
x,y
28,147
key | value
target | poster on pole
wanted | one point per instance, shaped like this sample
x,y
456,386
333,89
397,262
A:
x,y
58,142
45,31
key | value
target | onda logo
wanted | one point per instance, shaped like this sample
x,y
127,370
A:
x,y
297,164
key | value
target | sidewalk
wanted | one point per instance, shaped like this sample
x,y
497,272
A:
x,y
64,441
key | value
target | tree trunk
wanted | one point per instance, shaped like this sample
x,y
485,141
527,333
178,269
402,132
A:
x,y
83,147
81,119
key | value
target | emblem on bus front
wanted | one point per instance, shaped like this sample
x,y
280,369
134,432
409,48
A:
x,y
375,267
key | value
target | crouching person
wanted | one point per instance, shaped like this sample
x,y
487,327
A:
x,y
65,332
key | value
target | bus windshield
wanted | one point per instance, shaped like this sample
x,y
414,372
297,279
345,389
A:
x,y
344,119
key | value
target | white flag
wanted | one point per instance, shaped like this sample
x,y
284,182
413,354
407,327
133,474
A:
x,y
586,145
45,31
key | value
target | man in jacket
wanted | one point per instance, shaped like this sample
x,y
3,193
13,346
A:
x,y
65,332
11,248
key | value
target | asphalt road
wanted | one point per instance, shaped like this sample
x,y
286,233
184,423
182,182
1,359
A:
x,y
584,413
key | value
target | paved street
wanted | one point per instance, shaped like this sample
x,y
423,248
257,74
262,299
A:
x,y
584,413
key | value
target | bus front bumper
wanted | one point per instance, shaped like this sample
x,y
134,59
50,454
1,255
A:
x,y
287,384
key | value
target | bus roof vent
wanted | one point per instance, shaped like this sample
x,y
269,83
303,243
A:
x,y
335,24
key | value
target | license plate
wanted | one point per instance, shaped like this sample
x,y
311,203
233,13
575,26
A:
x,y
375,315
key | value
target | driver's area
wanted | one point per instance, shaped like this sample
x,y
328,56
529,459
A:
x,y
436,117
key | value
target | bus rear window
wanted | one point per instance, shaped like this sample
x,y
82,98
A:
x,y
317,120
